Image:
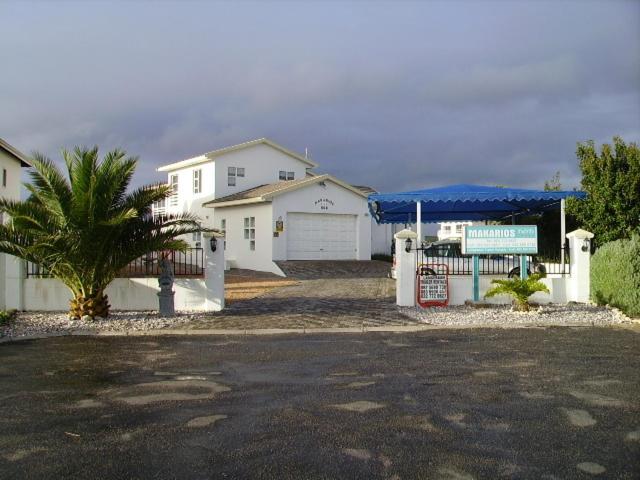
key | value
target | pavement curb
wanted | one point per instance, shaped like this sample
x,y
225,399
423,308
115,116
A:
x,y
299,331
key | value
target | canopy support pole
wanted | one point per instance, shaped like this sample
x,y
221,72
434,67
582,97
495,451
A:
x,y
419,223
563,232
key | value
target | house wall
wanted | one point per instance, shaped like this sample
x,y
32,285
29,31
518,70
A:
x,y
304,200
188,201
262,164
238,253
381,237
10,267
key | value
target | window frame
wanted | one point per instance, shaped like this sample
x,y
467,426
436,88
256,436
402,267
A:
x,y
249,231
173,181
197,181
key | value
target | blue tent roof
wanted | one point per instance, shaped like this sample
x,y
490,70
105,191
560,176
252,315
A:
x,y
464,202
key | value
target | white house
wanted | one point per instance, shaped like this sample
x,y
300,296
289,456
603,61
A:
x,y
11,163
451,230
271,206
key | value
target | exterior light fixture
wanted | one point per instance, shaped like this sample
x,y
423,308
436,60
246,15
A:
x,y
407,245
213,243
585,245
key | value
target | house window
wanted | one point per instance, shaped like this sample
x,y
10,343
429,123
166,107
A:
x,y
240,171
197,181
284,175
173,201
458,228
4,177
231,176
197,237
250,231
223,225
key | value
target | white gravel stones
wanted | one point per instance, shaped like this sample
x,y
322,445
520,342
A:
x,y
38,323
571,314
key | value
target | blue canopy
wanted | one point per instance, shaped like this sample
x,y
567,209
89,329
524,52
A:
x,y
464,202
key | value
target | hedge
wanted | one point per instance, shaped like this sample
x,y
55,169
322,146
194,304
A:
x,y
615,275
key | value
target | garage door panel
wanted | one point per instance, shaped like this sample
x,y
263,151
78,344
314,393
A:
x,y
321,236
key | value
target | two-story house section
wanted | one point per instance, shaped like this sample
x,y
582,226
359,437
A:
x,y
270,206
11,163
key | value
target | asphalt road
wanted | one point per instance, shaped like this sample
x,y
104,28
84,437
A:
x,y
536,403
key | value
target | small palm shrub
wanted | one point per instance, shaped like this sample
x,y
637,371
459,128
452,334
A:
x,y
615,275
6,316
519,289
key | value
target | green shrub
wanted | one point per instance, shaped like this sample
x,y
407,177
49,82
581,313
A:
x,y
6,316
382,257
519,289
615,275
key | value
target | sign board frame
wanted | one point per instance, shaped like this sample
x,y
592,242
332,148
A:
x,y
499,239
439,278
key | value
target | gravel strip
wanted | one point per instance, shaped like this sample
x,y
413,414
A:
x,y
572,314
37,323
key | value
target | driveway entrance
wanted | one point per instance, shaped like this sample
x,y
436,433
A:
x,y
327,294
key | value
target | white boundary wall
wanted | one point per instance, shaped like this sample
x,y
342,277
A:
x,y
194,294
569,288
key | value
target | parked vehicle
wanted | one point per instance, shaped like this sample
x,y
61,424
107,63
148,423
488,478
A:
x,y
449,252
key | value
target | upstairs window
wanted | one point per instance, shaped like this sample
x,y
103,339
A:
x,y
223,225
240,171
173,200
231,176
197,181
250,231
4,177
284,175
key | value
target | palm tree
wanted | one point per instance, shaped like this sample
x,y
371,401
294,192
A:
x,y
85,228
519,289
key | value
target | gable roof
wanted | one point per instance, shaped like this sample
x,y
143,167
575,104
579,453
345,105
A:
x,y
205,157
265,193
15,153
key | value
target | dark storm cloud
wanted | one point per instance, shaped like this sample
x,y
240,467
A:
x,y
394,95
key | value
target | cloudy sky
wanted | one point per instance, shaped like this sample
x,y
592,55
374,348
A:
x,y
397,95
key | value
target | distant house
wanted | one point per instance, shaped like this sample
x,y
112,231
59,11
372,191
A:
x,y
271,205
11,163
451,230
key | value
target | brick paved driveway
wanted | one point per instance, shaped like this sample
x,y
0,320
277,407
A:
x,y
329,294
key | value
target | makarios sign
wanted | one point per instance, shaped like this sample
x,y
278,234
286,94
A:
x,y
500,239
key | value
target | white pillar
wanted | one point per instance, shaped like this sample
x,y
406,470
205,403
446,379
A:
x,y
13,283
405,269
563,232
419,222
213,273
578,283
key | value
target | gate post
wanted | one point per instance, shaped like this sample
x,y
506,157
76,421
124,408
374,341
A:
x,y
579,283
213,271
405,269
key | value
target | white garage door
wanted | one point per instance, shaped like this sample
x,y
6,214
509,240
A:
x,y
321,236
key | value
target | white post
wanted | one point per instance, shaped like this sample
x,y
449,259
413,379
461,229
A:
x,y
13,283
563,233
213,273
578,283
419,222
405,269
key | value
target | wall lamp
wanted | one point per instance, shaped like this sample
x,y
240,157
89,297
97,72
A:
x,y
585,245
213,243
407,245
